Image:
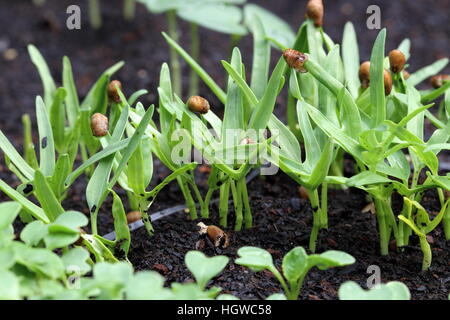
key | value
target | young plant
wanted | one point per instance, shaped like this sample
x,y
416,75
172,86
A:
x,y
373,127
238,139
421,224
218,15
164,143
296,265
393,290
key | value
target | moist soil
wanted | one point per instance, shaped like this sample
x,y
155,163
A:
x,y
281,219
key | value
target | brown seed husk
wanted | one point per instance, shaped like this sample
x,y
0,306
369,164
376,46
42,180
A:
x,y
438,80
113,94
364,74
397,60
198,104
314,11
133,216
303,193
387,82
99,125
406,75
217,236
295,59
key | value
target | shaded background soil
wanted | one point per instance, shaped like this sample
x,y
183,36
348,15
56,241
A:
x,y
282,220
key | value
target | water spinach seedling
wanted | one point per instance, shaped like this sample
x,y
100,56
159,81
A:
x,y
296,265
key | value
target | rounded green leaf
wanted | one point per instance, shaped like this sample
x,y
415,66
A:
x,y
395,290
33,233
147,285
75,260
295,263
204,268
255,258
215,16
8,213
329,259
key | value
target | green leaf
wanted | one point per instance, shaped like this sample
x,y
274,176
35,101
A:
x,y
263,111
197,68
276,296
75,260
329,259
123,237
110,149
58,119
99,181
44,73
204,268
426,72
295,264
27,205
394,290
147,285
233,117
46,197
8,213
274,27
377,93
72,103
255,258
15,157
10,288
214,16
62,170
46,146
350,57
261,55
33,233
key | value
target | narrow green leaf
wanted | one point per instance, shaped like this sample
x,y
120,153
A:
x,y
44,73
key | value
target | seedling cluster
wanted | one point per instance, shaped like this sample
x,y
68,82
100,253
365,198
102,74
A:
x,y
370,113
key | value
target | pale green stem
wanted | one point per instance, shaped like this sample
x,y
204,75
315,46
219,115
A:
x,y
195,54
174,60
129,9
95,14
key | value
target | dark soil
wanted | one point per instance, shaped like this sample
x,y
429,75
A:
x,y
282,221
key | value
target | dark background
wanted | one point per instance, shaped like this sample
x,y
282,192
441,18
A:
x,y
141,46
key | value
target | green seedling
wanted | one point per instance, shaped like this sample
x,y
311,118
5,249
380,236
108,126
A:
x,y
238,134
296,265
218,15
393,290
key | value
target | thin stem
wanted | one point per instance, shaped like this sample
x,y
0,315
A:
x,y
248,219
315,205
143,208
223,202
174,60
291,116
382,227
195,54
190,204
205,205
237,200
133,201
280,278
427,255
324,207
95,14
129,9
446,223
